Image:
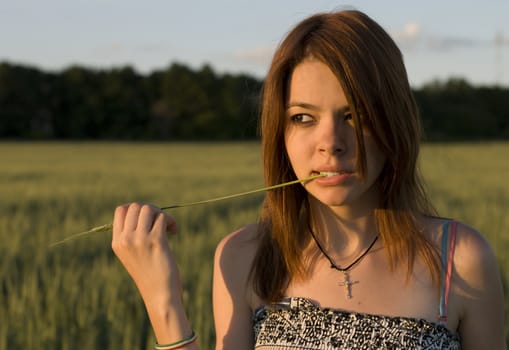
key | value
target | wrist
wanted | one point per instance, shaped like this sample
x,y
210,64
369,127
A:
x,y
177,344
169,321
162,300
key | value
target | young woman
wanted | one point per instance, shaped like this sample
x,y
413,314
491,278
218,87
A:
x,y
354,260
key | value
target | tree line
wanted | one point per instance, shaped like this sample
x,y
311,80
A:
x,y
179,103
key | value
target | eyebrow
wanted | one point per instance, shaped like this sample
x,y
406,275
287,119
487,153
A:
x,y
302,105
313,107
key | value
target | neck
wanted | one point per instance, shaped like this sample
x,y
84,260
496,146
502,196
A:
x,y
343,232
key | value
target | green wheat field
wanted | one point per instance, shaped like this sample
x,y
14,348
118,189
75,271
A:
x,y
77,295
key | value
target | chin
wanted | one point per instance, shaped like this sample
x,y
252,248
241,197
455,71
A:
x,y
330,201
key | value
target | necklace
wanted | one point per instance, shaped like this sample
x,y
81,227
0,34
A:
x,y
347,283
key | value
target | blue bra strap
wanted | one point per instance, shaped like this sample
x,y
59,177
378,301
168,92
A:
x,y
445,236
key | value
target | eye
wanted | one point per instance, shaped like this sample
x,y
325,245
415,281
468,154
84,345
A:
x,y
301,118
348,116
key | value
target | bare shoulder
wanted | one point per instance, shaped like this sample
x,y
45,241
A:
x,y
474,258
239,246
234,257
478,291
473,253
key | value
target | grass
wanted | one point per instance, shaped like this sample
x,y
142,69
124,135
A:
x,y
77,296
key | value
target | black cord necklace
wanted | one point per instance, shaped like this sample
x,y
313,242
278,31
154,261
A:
x,y
346,270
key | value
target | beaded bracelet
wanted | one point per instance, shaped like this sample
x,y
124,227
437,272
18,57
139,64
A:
x,y
177,344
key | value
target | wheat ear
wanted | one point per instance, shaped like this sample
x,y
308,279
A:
x,y
108,227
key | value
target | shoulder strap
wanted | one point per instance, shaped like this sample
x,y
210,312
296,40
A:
x,y
448,245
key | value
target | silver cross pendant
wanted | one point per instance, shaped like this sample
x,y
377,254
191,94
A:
x,y
347,284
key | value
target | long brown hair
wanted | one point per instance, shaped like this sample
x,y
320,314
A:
x,y
370,68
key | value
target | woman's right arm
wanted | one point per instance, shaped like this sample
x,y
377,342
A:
x,y
140,242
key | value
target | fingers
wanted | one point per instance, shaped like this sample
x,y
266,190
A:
x,y
119,217
141,245
142,218
146,217
165,223
132,216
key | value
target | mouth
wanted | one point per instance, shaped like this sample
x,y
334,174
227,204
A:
x,y
330,173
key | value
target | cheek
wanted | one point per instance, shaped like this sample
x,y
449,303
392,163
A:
x,y
295,151
298,140
290,145
291,153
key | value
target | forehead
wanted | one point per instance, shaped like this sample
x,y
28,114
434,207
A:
x,y
313,82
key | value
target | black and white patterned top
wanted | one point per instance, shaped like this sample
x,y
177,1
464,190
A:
x,y
298,324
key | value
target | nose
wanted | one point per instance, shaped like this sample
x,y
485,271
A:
x,y
331,140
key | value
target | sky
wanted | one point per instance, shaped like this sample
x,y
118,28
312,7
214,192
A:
x,y
439,39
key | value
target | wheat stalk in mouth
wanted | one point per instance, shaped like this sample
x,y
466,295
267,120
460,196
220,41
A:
x,y
108,227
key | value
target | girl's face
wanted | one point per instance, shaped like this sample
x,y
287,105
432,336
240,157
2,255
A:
x,y
320,137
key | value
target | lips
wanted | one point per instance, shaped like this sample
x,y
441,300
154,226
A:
x,y
332,177
330,172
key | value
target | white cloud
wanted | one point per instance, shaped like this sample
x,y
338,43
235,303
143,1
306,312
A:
x,y
411,31
413,37
409,36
